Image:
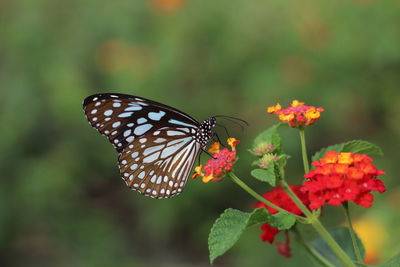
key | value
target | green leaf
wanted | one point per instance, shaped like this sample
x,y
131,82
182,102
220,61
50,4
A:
x,y
228,228
265,175
260,215
354,146
271,136
393,262
363,147
226,231
343,238
283,221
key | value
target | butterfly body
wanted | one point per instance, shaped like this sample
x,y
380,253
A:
x,y
157,144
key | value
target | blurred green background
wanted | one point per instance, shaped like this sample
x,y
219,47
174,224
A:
x,y
62,202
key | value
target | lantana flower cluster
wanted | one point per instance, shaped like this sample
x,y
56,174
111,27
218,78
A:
x,y
298,115
280,198
341,177
221,162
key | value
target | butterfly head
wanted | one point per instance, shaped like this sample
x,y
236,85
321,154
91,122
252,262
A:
x,y
203,134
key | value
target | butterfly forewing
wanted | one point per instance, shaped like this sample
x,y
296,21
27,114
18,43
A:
x,y
155,142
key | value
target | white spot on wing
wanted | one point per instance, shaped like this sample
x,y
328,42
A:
x,y
152,149
141,120
156,116
181,123
173,133
108,112
133,108
116,124
141,175
151,158
125,114
133,166
139,130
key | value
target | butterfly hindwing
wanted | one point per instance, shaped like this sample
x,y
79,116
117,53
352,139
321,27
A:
x,y
156,143
158,166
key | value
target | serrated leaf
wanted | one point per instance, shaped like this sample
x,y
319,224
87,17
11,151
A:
x,y
265,175
271,136
228,228
283,221
259,215
361,146
354,146
393,262
343,238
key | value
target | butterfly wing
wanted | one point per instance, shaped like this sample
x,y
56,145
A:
x,y
155,142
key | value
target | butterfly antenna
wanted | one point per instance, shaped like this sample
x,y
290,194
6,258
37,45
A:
x,y
226,130
232,119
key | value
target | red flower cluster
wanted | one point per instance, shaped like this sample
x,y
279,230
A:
x,y
220,164
280,198
298,115
340,177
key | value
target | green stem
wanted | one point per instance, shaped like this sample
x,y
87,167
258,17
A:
x,y
332,243
304,151
295,199
260,198
352,233
311,249
318,227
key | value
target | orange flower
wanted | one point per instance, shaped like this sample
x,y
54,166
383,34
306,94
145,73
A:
x,y
273,109
167,5
341,177
298,115
221,163
215,147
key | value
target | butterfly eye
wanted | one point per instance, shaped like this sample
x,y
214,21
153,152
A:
x,y
157,144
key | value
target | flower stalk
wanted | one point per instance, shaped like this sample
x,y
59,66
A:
x,y
313,252
304,151
357,250
260,198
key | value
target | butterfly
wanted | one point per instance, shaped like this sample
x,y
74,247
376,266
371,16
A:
x,y
157,145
